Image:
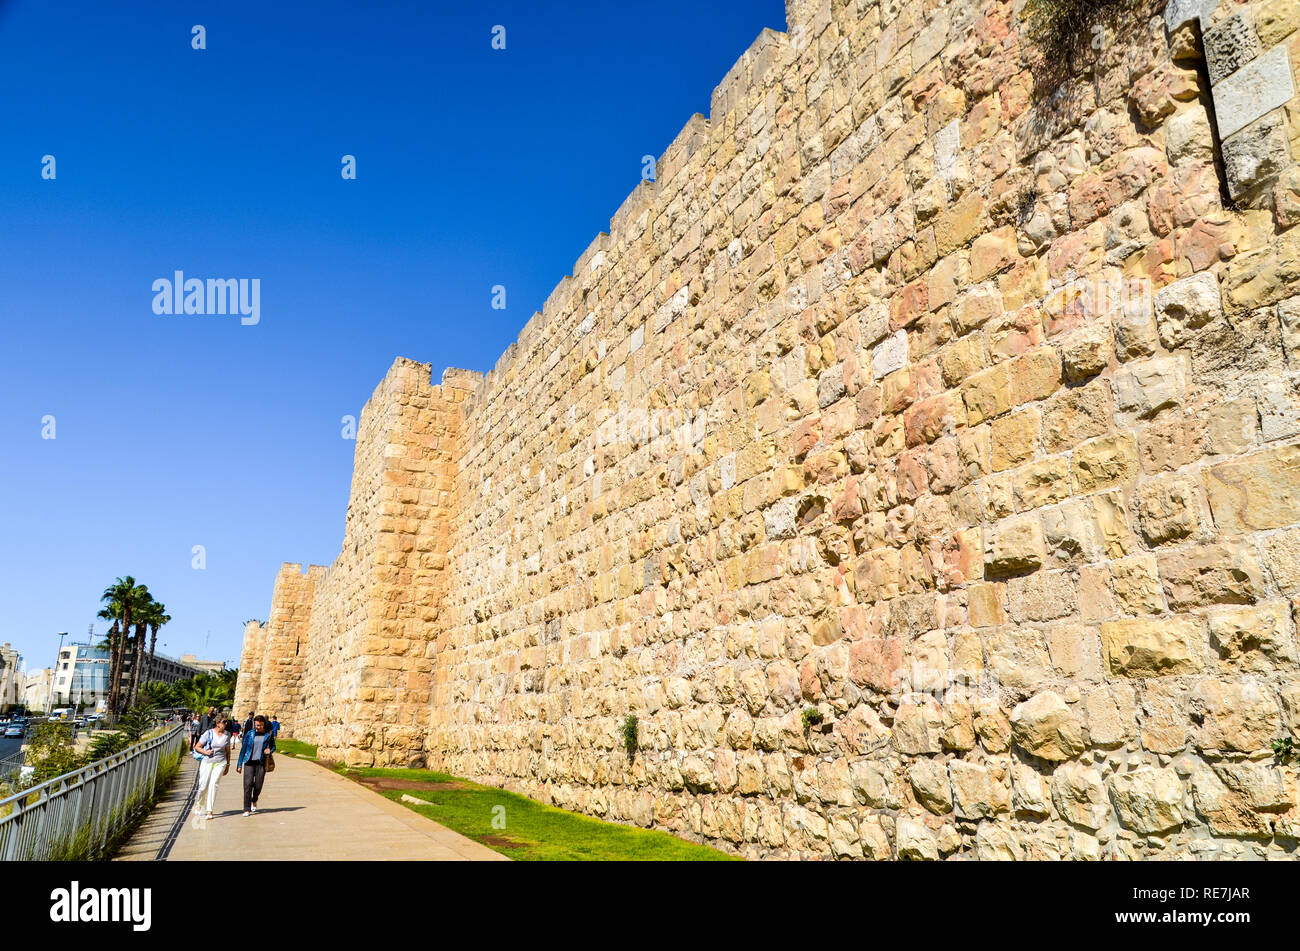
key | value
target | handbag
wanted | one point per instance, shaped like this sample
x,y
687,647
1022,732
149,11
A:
x,y
199,757
270,763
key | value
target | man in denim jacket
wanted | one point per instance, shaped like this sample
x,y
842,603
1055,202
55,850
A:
x,y
254,753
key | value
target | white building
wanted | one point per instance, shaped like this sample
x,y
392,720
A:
x,y
36,689
11,677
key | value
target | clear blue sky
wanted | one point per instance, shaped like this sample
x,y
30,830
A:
x,y
475,167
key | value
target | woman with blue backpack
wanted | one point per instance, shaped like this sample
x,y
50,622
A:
x,y
213,754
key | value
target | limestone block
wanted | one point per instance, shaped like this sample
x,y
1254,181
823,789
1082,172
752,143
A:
x,y
1188,137
1254,637
993,843
915,841
1256,154
1229,45
1281,555
1258,87
1169,509
889,355
1185,305
1046,727
1080,795
978,791
1146,387
1014,545
930,783
1180,12
1259,492
1086,352
1217,573
1152,648
1234,717
1148,800
1105,462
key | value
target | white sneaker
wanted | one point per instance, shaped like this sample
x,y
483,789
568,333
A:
x,y
209,814
254,808
245,815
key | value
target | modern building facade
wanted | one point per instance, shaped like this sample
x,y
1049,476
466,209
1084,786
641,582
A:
x,y
83,671
206,666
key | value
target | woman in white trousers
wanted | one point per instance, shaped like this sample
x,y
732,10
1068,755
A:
x,y
215,747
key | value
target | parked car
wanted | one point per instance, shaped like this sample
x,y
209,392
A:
x,y
13,730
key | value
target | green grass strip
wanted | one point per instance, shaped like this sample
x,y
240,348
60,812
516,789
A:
x,y
528,831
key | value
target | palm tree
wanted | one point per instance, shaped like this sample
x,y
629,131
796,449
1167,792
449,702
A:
x,y
122,598
112,612
157,616
114,596
141,602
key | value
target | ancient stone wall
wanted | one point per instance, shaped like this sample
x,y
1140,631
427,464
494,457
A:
x,y
916,459
285,645
367,630
248,687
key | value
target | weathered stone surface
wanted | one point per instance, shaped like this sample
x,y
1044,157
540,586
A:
x,y
931,785
1014,546
1260,86
962,416
1222,573
1152,648
1080,796
1259,492
1256,154
1148,800
1185,305
1229,45
1046,727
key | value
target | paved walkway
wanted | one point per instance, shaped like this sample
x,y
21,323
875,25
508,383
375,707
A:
x,y
305,812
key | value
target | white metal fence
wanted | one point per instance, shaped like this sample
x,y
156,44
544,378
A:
x,y
80,813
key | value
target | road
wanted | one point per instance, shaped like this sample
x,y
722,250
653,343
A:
x,y
9,747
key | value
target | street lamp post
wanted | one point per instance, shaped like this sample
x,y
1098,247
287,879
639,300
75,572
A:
x,y
49,698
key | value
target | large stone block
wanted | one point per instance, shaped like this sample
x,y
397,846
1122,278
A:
x,y
1259,492
1152,648
1258,87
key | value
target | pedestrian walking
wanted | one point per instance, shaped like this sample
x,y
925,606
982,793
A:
x,y
193,727
215,763
248,724
254,759
275,726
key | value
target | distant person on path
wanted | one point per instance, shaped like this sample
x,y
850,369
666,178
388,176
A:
x,y
248,724
275,726
193,727
254,753
215,747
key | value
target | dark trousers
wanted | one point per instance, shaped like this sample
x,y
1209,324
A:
x,y
254,773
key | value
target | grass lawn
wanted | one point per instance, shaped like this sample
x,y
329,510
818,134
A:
x,y
296,748
532,832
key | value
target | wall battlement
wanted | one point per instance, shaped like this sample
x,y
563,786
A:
x,y
957,419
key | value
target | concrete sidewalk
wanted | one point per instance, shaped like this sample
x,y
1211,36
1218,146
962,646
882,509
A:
x,y
305,812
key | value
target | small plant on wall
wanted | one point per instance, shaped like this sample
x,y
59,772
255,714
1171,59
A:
x,y
1286,750
1070,33
811,718
629,730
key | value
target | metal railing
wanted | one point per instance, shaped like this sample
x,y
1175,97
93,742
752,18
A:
x,y
79,814
12,766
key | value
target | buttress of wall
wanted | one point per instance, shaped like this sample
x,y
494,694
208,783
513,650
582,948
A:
x,y
248,685
897,542
366,690
284,652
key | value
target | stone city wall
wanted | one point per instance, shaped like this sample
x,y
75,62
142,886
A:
x,y
916,459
